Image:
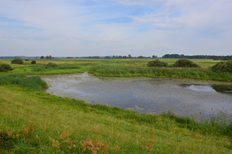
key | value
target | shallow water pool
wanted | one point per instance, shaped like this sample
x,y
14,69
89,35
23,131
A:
x,y
189,98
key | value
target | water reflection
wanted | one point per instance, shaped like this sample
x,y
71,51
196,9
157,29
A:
x,y
227,89
223,88
146,95
196,87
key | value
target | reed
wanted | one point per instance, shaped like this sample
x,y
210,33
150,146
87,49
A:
x,y
32,82
191,73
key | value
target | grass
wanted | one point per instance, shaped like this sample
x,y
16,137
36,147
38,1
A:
x,y
62,125
119,68
64,67
33,82
32,121
191,73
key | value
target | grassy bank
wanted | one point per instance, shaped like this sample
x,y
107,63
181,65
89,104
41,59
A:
x,y
33,121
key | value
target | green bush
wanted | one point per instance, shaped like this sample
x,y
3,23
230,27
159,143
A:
x,y
223,67
17,61
33,62
2,69
157,63
5,68
51,65
185,63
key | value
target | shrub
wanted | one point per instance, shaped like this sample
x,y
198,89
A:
x,y
185,63
17,61
5,68
33,62
157,63
51,65
2,69
223,67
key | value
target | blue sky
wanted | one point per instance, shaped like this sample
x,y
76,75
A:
x,y
115,27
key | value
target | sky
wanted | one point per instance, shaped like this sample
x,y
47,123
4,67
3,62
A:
x,y
115,27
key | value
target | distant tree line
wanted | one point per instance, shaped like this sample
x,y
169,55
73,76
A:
x,y
198,56
46,57
117,57
178,56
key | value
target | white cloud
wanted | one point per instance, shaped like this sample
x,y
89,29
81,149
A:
x,y
78,27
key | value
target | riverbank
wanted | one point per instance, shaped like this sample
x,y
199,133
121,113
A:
x,y
33,121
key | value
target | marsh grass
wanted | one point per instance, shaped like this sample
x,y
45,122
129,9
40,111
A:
x,y
192,73
120,67
32,82
53,66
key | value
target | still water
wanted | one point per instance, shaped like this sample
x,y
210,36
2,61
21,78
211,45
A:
x,y
189,98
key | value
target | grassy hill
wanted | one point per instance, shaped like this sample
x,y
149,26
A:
x,y
32,121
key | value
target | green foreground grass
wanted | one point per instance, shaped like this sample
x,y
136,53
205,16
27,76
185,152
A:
x,y
32,121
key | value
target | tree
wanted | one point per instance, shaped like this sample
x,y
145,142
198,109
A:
x,y
48,57
153,56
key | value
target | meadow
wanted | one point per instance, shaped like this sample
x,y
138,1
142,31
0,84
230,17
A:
x,y
121,68
32,121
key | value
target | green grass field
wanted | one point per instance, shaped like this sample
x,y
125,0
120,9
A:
x,y
121,68
32,121
82,65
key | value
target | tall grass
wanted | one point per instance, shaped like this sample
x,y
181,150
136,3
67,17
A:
x,y
192,73
55,67
32,82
